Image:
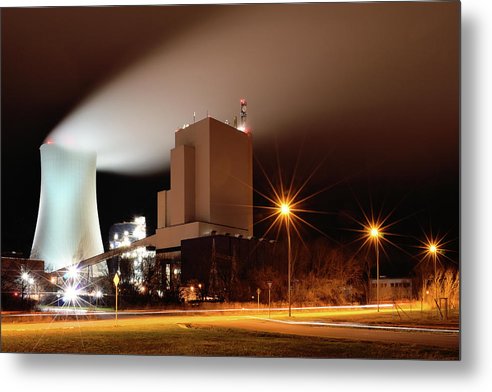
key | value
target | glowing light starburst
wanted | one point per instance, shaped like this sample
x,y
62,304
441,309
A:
x,y
74,287
285,209
286,203
434,247
376,229
71,295
374,232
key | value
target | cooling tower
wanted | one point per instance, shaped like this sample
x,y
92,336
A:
x,y
67,230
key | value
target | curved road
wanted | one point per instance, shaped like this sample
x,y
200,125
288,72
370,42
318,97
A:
x,y
435,339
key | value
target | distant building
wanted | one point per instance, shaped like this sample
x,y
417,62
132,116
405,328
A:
x,y
392,289
223,264
130,265
124,233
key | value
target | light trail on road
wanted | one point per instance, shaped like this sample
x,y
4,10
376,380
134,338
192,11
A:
x,y
83,312
364,326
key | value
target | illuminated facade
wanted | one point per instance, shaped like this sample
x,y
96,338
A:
x,y
211,185
130,265
67,229
123,234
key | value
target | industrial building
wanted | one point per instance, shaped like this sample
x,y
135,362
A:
x,y
392,289
124,233
211,185
204,221
130,265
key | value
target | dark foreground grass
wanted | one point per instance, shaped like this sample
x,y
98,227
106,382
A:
x,y
184,339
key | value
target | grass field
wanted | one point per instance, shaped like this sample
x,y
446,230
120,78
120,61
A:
x,y
185,336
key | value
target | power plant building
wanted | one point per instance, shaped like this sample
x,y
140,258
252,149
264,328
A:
x,y
211,185
204,221
210,200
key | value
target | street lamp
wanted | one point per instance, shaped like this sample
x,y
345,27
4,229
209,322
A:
x,y
284,210
374,234
432,250
99,294
269,291
26,281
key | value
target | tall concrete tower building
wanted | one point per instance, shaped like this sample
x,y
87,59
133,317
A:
x,y
211,184
67,230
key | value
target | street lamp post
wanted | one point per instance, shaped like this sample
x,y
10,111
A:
x,y
25,281
374,232
289,267
116,281
269,303
377,271
285,211
433,251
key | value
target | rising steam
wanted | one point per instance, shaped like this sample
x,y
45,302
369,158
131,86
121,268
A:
x,y
130,122
334,66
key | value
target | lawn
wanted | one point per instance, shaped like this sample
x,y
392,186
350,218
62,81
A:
x,y
182,336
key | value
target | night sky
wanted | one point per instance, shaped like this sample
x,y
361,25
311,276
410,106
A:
x,y
366,93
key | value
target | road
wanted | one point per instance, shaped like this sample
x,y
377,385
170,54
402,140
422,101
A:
x,y
434,339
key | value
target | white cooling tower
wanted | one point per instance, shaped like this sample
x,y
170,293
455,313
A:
x,y
67,230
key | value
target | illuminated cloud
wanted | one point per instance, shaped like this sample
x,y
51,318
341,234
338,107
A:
x,y
130,121
336,72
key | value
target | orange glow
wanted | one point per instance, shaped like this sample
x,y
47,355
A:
x,y
374,232
284,209
433,248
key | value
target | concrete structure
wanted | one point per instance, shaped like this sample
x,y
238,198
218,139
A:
x,y
67,229
129,265
223,264
211,196
125,233
211,185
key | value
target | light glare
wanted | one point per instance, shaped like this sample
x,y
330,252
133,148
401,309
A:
x,y
284,209
70,294
73,272
374,232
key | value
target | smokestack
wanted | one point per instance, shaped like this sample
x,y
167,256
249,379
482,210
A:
x,y
67,230
244,107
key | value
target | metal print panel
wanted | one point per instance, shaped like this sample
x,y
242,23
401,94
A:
x,y
273,180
